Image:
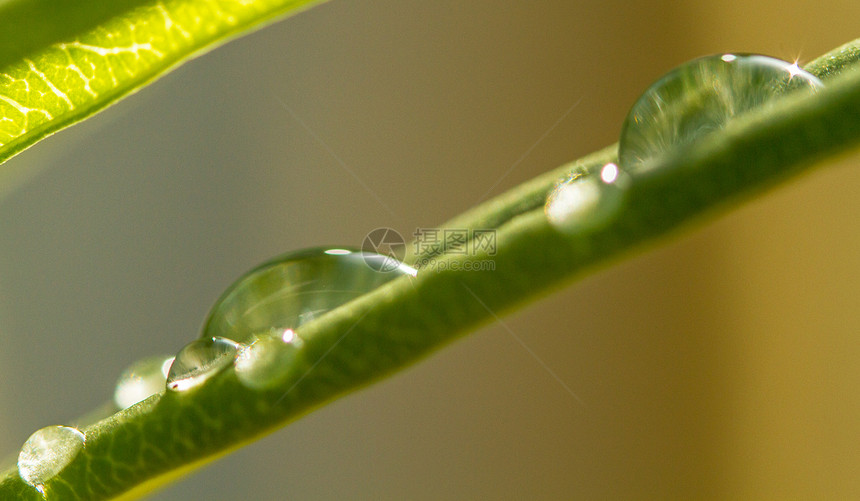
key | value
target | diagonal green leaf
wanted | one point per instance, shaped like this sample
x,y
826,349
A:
x,y
395,325
60,62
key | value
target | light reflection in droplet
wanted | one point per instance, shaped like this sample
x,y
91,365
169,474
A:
x,y
337,252
199,360
288,336
609,173
794,70
268,358
585,202
47,452
141,380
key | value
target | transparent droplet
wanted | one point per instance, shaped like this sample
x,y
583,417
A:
x,y
141,380
583,201
296,288
199,360
700,97
268,358
47,452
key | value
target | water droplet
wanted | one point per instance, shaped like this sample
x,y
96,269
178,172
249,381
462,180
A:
x,y
268,358
700,97
47,452
141,380
586,201
199,360
296,288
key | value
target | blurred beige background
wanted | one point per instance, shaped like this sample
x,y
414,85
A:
x,y
722,364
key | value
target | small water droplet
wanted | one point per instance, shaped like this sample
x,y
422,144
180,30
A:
x,y
47,452
584,201
141,380
296,288
700,97
199,360
268,358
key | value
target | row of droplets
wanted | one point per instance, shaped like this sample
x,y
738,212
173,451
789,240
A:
x,y
251,328
687,104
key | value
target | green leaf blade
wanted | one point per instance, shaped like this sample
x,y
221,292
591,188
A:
x,y
46,88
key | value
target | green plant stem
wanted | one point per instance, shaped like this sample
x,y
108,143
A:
x,y
399,323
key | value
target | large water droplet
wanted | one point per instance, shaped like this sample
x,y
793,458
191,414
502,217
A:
x,y
141,380
295,288
47,452
268,358
700,97
199,360
586,201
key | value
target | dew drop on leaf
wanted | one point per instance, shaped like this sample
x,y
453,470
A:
x,y
199,360
141,380
47,452
586,201
268,358
700,97
296,288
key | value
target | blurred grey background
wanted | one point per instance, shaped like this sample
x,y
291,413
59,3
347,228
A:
x,y
722,364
